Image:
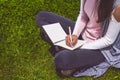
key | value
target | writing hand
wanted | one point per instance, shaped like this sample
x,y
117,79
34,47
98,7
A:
x,y
74,40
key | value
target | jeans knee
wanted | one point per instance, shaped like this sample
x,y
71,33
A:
x,y
40,18
60,59
42,13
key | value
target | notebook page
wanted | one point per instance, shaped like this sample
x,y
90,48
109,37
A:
x,y
63,44
55,32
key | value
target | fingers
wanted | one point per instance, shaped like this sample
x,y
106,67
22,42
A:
x,y
68,40
74,39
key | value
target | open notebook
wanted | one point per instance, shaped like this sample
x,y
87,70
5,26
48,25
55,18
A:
x,y
57,36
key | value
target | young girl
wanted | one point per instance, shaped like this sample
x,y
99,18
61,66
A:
x,y
99,24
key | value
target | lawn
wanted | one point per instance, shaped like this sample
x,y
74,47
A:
x,y
23,53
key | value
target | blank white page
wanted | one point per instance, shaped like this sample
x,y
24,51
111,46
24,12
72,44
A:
x,y
55,32
63,44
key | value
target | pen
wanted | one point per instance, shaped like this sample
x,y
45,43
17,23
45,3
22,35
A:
x,y
70,36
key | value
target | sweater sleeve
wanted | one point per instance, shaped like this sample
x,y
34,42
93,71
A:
x,y
108,39
81,20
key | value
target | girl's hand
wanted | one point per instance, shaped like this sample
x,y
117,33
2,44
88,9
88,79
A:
x,y
74,40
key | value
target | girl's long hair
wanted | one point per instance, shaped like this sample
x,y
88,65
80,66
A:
x,y
105,7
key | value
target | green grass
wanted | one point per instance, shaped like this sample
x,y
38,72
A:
x,y
23,54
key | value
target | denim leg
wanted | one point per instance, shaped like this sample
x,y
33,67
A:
x,y
77,59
